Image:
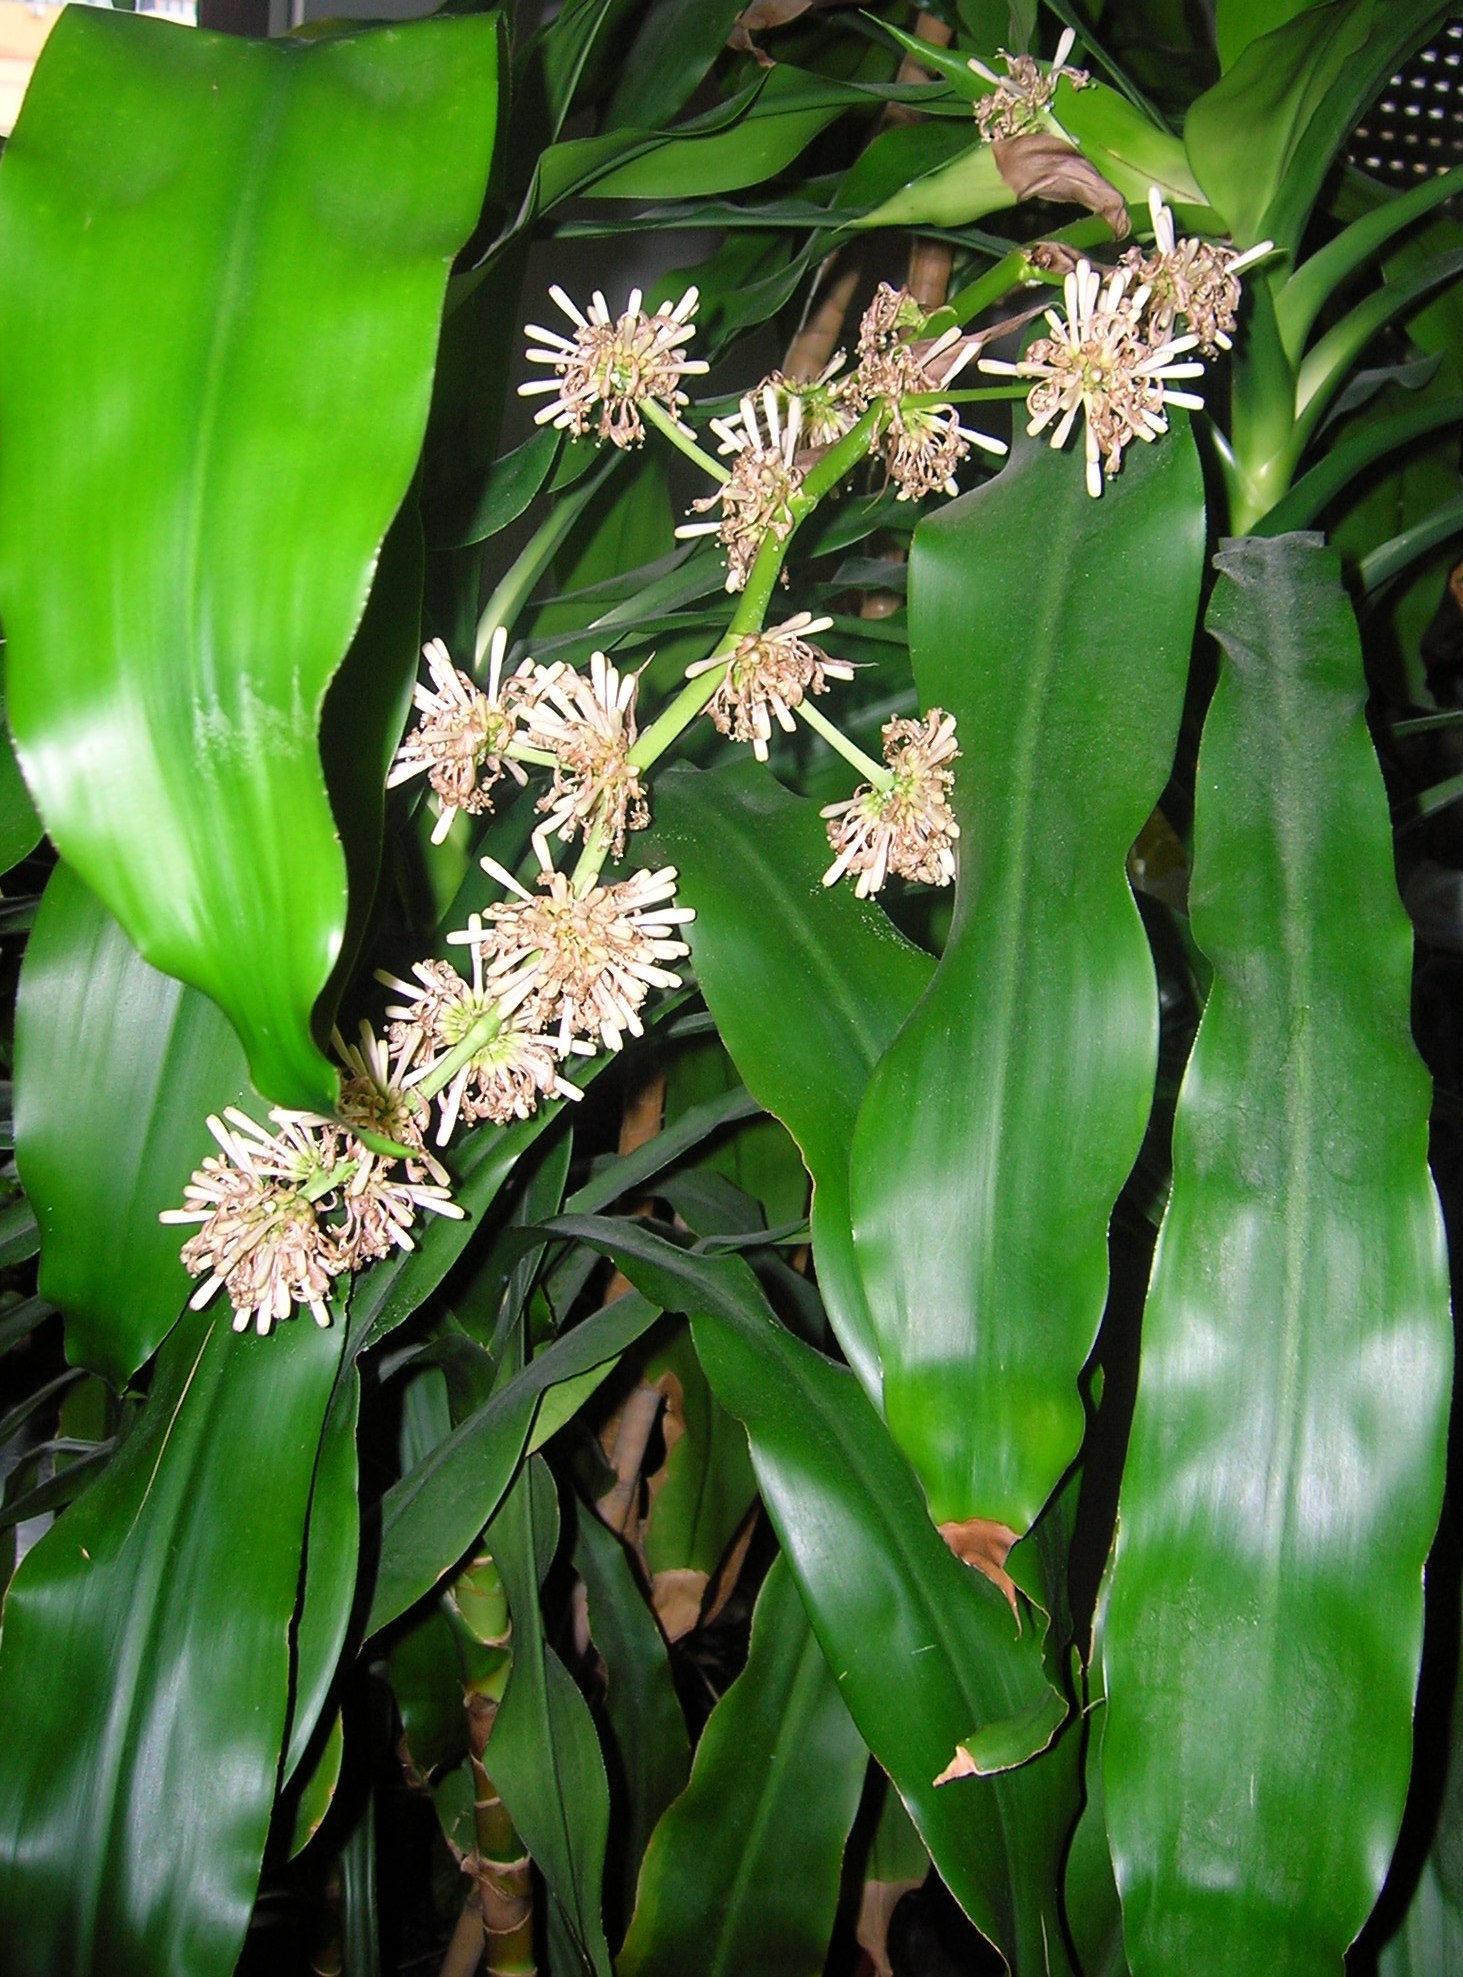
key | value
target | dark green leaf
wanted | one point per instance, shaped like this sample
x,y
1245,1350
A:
x,y
675,44
651,1748
146,1651
20,824
922,1648
1263,1617
1263,138
181,577
117,1068
1001,1124
434,1513
743,1871
769,937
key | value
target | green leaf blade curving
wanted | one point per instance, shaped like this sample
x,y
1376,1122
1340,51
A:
x,y
742,1872
1002,1122
187,540
135,1806
1263,1616
769,939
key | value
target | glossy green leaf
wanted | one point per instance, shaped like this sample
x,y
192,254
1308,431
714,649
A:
x,y
1342,463
434,1513
768,936
1239,22
117,1067
134,1809
1002,1122
1264,1612
318,1795
20,823
923,1648
651,1750
1262,140
1318,277
743,1871
188,520
969,187
543,1755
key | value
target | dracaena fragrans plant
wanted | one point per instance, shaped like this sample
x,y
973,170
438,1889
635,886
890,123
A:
x,y
771,908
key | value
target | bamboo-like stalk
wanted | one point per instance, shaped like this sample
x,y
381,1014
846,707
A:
x,y
499,1863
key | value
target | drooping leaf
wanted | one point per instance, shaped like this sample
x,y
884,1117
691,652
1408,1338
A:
x,y
922,1648
117,1067
1263,1616
181,577
743,1871
1003,1120
146,1650
768,938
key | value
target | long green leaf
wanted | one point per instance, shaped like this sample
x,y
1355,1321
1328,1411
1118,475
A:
x,y
223,268
743,1871
924,1649
145,1669
768,937
116,1069
1264,1612
1002,1122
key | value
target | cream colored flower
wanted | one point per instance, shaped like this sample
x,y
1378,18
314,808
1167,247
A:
x,y
589,960
905,825
588,726
920,445
1190,281
461,741
611,366
261,1237
758,499
766,676
1099,362
1021,98
514,1067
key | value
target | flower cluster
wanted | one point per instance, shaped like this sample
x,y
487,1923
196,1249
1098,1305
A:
x,y
555,974
760,496
1020,99
766,677
561,969
462,740
900,365
1113,357
613,366
1190,281
902,823
283,1214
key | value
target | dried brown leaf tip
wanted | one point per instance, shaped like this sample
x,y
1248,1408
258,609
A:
x,y
985,1544
1041,165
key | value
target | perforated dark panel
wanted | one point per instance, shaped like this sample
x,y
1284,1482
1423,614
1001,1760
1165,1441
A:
x,y
1415,128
